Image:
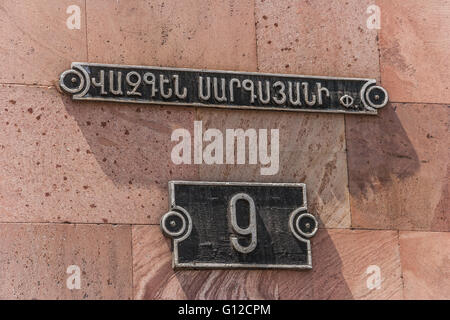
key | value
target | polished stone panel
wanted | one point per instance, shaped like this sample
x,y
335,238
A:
x,y
398,168
425,259
346,262
415,47
322,37
36,44
85,162
34,261
211,34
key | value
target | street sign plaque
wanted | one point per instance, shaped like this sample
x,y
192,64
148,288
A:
x,y
239,225
222,89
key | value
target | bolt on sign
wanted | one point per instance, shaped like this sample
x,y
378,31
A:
x,y
205,222
222,89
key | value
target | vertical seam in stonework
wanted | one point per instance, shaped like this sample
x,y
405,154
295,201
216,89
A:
x,y
132,262
255,23
348,171
379,47
86,27
401,265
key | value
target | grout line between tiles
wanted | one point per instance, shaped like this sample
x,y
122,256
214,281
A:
x,y
348,170
256,35
401,264
132,263
86,29
157,224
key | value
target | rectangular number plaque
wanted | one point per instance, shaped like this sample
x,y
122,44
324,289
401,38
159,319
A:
x,y
239,225
222,89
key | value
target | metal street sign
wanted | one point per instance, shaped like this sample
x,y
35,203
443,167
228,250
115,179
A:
x,y
222,89
239,225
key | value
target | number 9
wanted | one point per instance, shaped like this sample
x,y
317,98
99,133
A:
x,y
251,229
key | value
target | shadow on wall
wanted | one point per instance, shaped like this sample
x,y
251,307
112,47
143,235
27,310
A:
x,y
131,143
324,281
378,149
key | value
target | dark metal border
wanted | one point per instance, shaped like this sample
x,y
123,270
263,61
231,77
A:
x,y
172,205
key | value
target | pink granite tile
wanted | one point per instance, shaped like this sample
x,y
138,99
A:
x,y
345,263
36,44
398,168
328,38
312,150
195,34
85,162
415,48
34,261
340,262
425,258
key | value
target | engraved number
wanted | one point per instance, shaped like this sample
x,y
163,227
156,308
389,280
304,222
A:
x,y
250,230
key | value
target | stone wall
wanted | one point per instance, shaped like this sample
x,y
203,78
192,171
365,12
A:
x,y
85,183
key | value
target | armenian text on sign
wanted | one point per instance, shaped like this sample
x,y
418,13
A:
x,y
222,89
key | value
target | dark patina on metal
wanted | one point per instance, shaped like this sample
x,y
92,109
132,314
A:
x,y
239,225
222,89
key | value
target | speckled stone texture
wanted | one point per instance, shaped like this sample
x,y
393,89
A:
x,y
195,34
425,258
320,37
35,43
85,183
414,46
34,261
91,162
